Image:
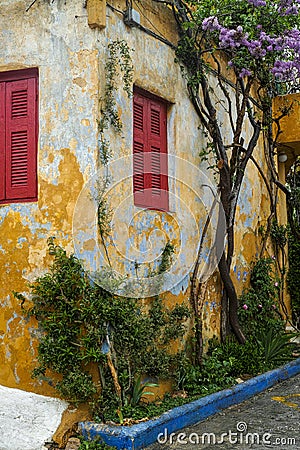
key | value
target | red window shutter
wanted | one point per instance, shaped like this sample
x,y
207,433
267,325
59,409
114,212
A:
x,y
2,141
150,168
158,148
21,139
139,143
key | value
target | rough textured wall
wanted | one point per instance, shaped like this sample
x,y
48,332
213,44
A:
x,y
289,136
56,38
63,48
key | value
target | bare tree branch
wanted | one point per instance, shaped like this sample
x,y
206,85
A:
x,y
31,4
225,92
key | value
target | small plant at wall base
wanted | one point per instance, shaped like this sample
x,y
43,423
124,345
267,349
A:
x,y
259,305
94,445
100,344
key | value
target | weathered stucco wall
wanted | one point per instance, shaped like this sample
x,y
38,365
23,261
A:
x,y
287,107
51,39
56,38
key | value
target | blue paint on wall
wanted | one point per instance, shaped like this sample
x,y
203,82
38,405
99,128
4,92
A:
x,y
213,305
182,286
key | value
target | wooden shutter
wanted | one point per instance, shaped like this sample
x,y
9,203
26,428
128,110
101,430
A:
x,y
2,141
139,149
158,148
150,176
21,139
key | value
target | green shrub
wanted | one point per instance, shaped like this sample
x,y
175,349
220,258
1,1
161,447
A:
x,y
94,445
225,362
259,306
246,359
85,330
213,375
293,277
275,348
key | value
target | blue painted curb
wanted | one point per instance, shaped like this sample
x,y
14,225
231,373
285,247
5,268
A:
x,y
140,435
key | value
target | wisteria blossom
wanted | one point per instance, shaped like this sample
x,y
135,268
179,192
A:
x,y
211,23
251,49
257,3
287,7
245,73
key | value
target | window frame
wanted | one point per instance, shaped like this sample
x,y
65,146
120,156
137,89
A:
x,y
155,195
24,193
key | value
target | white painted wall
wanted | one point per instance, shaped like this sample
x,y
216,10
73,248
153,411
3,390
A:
x,y
27,420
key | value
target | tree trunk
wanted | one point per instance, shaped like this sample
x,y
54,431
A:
x,y
225,328
233,300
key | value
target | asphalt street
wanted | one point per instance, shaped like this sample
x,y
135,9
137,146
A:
x,y
270,420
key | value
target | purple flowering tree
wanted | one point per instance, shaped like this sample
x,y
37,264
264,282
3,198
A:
x,y
234,55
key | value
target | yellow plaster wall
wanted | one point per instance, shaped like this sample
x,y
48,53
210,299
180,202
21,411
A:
x,y
287,108
96,10
23,255
289,123
288,138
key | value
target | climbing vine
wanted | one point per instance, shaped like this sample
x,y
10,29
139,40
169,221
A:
x,y
118,64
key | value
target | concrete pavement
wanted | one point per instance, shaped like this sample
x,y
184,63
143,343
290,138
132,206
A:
x,y
270,420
